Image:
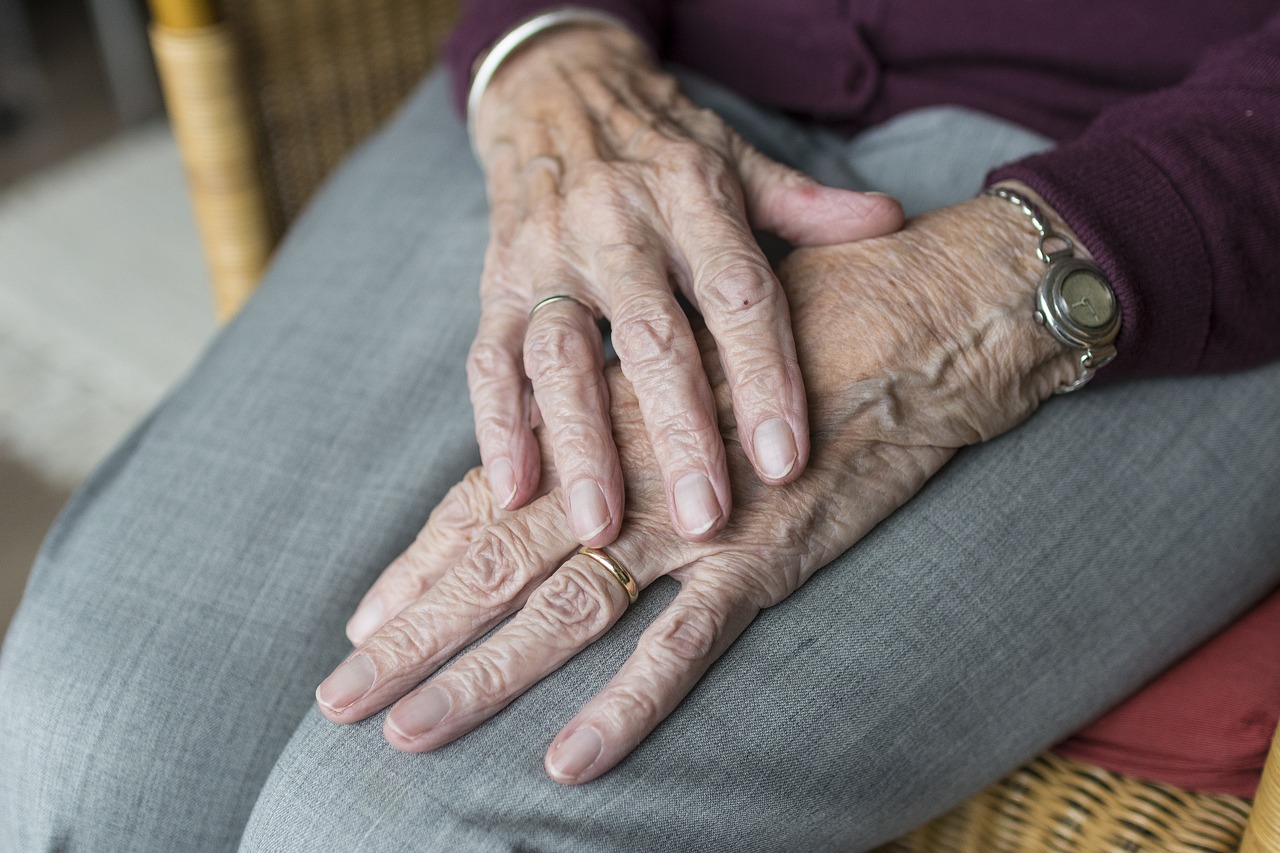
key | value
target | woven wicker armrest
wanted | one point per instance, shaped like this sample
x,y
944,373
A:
x,y
1263,835
267,98
1057,804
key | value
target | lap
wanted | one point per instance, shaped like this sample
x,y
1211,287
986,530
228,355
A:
x,y
1003,608
195,591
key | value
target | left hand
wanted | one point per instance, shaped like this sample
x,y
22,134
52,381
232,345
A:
x,y
608,186
912,344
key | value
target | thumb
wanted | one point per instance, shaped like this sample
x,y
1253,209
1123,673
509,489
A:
x,y
804,212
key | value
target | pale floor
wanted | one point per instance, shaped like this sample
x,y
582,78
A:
x,y
103,306
72,112
103,297
28,505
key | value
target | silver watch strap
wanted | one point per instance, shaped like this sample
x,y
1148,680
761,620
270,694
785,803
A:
x,y
1054,246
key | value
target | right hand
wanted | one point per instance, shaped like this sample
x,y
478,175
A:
x,y
608,185
914,345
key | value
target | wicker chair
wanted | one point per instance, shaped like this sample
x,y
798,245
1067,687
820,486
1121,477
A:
x,y
266,98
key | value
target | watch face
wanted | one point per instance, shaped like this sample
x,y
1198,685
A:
x,y
1088,299
1077,304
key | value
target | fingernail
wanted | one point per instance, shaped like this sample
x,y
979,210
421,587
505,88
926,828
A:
x,y
696,504
346,684
874,192
420,713
775,448
576,754
587,510
367,619
502,481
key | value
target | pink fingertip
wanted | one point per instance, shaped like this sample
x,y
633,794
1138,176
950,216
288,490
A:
x,y
576,754
502,481
696,505
368,618
346,684
588,510
775,447
420,713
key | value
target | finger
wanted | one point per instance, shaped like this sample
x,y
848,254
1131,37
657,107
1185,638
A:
x,y
466,509
745,310
499,399
569,611
672,655
564,357
802,211
495,576
660,357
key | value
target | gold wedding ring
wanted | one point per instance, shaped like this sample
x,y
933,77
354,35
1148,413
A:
x,y
559,297
614,568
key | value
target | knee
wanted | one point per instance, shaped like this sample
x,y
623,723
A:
x,y
53,773
99,747
343,788
332,786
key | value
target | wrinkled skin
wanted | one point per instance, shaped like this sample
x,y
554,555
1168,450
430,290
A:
x,y
608,185
912,345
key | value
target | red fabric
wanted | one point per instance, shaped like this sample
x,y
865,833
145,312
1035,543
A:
x,y
1206,724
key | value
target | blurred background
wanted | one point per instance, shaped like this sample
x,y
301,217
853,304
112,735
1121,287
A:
x,y
104,299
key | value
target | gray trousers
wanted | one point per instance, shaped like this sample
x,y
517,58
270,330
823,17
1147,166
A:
x,y
156,686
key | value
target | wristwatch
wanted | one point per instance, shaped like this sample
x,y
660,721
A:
x,y
1074,300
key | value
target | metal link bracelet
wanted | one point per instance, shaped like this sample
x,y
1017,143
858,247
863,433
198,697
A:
x,y
1038,221
1074,301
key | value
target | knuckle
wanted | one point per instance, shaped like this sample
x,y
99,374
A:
x,y
556,347
579,440
684,636
738,284
762,585
646,339
684,435
496,426
545,167
631,703
542,231
488,360
759,381
483,677
499,277
497,568
627,261
601,185
495,430
400,643
694,159
506,210
706,119
571,604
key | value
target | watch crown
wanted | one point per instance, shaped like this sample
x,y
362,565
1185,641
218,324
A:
x,y
1039,317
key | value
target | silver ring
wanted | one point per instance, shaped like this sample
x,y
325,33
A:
x,y
559,297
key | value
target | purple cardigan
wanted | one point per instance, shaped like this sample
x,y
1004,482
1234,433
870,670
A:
x,y
1167,114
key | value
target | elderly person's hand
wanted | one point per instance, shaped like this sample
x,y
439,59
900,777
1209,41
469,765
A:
x,y
607,185
912,345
